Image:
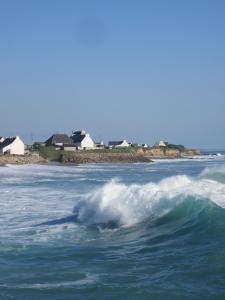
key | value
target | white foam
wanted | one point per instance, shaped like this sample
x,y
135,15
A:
x,y
24,205
198,158
216,173
219,169
88,280
129,204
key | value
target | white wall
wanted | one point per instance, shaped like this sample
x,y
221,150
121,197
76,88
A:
x,y
123,144
162,144
16,148
87,142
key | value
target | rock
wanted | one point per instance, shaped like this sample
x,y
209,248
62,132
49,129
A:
x,y
107,157
31,158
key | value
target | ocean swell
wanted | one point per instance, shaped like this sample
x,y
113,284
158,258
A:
x,y
130,204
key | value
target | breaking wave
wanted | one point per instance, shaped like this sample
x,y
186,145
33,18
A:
x,y
216,173
122,204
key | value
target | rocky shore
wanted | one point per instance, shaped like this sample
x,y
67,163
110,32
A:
x,y
133,156
163,152
87,157
33,158
108,156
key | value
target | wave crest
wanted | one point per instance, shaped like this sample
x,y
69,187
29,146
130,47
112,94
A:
x,y
129,204
215,173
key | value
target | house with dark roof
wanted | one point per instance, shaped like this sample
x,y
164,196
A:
x,y
82,140
118,144
12,145
58,140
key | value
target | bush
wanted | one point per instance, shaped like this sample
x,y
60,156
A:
x,y
175,147
49,153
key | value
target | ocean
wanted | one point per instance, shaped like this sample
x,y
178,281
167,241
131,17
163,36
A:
x,y
124,231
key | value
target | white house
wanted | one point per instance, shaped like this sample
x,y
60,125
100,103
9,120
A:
x,y
118,144
82,140
12,146
161,144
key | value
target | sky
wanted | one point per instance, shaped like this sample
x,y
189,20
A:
x,y
140,70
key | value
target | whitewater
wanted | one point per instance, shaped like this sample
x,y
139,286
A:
x,y
124,231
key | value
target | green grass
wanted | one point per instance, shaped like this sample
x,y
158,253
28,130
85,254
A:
x,y
56,155
49,153
175,147
116,150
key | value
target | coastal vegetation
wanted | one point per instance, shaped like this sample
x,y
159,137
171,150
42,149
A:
x,y
127,154
93,155
40,153
81,148
49,153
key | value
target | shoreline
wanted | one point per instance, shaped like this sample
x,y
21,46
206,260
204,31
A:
x,y
119,162
21,160
56,163
86,157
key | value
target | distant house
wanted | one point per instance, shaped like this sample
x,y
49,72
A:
x,y
58,140
99,145
12,145
82,140
118,144
161,144
145,145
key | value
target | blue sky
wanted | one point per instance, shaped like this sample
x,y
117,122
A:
x,y
141,70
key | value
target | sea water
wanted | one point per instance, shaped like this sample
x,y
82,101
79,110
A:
x,y
123,231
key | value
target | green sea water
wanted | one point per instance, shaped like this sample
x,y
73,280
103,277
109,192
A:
x,y
132,231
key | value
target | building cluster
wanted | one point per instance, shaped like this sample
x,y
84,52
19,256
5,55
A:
x,y
79,140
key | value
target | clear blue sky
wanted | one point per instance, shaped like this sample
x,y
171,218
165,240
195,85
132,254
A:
x,y
135,69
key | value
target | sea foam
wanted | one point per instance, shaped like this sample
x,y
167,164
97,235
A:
x,y
129,204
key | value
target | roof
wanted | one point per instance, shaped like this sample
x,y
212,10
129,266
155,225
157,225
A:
x,y
7,142
78,138
114,143
59,139
79,132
